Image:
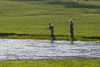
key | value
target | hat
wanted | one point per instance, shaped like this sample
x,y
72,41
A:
x,y
49,23
70,20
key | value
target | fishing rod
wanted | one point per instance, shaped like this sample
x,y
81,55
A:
x,y
37,26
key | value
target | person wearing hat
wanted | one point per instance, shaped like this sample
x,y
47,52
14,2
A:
x,y
71,27
51,29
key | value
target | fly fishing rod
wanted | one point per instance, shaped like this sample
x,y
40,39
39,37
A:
x,y
37,26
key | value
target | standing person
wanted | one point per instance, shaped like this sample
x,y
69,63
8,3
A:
x,y
71,28
51,29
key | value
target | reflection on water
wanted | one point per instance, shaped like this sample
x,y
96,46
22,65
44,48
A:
x,y
47,49
72,42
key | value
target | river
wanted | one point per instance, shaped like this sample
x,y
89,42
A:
x,y
47,49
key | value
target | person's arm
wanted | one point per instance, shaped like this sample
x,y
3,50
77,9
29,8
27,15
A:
x,y
47,27
72,25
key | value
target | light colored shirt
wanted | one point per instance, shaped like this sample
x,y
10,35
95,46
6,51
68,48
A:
x,y
51,27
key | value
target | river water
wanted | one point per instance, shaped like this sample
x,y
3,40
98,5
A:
x,y
47,49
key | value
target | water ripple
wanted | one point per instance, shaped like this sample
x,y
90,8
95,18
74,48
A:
x,y
47,49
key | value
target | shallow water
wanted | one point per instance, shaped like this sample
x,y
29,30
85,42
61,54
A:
x,y
47,49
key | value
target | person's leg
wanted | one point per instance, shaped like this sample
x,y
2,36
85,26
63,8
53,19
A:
x,y
71,31
52,33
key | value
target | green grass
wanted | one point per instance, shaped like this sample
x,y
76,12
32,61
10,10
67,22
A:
x,y
19,17
51,63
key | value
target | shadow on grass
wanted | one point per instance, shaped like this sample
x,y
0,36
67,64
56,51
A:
x,y
73,38
72,4
26,0
53,38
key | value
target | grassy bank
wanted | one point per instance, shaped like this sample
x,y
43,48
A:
x,y
32,17
51,63
47,37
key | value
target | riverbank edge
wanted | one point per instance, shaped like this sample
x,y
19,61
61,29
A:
x,y
77,62
47,37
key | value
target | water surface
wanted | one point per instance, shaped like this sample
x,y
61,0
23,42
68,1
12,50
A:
x,y
47,49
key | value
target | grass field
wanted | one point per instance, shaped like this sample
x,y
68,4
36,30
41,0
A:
x,y
52,63
32,17
28,20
